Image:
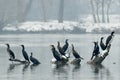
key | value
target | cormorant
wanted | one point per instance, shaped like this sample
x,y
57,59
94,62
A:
x,y
75,53
109,38
96,50
10,52
65,47
34,60
102,45
60,49
25,55
55,53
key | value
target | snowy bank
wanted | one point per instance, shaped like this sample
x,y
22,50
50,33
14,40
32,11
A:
x,y
45,27
66,27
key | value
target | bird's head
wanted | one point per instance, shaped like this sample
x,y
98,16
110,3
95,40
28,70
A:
x,y
31,53
7,45
95,42
112,32
52,46
67,39
58,42
72,46
102,38
22,46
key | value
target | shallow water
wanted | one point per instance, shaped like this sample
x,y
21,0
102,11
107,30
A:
x,y
39,44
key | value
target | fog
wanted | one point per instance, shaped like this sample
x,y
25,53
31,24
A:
x,y
19,10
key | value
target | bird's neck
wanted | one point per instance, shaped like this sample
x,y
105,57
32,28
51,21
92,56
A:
x,y
58,45
53,49
101,40
8,47
23,48
30,55
66,42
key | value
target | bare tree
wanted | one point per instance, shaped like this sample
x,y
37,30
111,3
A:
x,y
61,10
93,11
108,8
103,11
27,9
20,11
44,11
97,2
23,9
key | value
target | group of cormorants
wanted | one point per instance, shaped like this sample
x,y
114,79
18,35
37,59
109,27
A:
x,y
24,53
102,44
60,53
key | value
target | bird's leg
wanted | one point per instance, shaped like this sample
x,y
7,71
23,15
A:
x,y
92,57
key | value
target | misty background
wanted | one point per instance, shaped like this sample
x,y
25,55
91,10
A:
x,y
96,11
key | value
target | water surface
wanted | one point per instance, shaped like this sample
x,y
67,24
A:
x,y
39,44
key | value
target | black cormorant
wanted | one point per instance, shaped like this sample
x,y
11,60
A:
x,y
102,45
25,55
65,47
55,53
60,49
75,53
34,60
10,52
96,50
109,38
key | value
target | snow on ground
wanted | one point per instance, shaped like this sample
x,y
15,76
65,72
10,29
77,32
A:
x,y
39,26
90,27
86,24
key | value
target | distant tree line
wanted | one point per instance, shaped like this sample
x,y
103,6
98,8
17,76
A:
x,y
100,10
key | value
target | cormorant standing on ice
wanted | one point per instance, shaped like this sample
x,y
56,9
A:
x,y
96,50
109,38
25,55
102,45
75,53
10,52
55,53
34,60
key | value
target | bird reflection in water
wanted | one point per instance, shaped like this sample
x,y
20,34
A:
x,y
97,68
61,71
76,67
33,66
101,72
12,67
76,71
25,67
